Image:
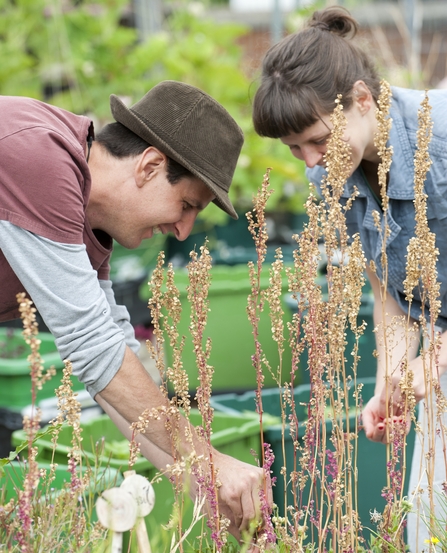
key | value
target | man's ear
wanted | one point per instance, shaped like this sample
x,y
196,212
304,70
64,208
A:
x,y
362,97
149,163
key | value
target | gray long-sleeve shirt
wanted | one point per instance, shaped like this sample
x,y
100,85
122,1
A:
x,y
90,329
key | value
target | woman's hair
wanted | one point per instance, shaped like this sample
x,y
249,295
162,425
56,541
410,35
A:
x,y
303,74
121,142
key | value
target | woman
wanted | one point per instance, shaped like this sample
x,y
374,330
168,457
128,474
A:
x,y
301,77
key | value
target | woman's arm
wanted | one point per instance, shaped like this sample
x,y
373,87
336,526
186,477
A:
x,y
397,341
397,336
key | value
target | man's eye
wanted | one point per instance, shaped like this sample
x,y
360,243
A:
x,y
321,142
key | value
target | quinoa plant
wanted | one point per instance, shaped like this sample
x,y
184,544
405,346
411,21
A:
x,y
422,273
323,479
39,517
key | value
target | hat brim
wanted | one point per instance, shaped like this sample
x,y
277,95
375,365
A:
x,y
129,119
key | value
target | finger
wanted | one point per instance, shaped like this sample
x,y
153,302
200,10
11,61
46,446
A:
x,y
269,492
377,432
386,405
369,427
388,425
233,528
238,516
251,503
249,511
369,423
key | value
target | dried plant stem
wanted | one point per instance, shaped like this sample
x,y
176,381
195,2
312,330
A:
x,y
199,270
258,229
255,305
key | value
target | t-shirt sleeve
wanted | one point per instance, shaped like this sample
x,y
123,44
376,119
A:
x,y
42,184
65,289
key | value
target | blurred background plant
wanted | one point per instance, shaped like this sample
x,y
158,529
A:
x,y
75,53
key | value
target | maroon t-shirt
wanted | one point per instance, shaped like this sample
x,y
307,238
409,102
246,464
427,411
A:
x,y
45,184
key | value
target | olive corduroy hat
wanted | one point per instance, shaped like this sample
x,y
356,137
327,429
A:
x,y
192,128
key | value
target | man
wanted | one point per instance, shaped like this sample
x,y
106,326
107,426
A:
x,y
66,196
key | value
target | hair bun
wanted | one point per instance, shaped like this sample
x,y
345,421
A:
x,y
320,25
335,19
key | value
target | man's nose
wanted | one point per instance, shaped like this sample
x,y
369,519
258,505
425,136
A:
x,y
184,227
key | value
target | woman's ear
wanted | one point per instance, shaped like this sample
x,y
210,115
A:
x,y
362,97
148,164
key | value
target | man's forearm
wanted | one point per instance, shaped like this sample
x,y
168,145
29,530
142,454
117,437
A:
x,y
150,451
131,392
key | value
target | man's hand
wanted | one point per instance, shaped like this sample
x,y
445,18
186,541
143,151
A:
x,y
239,498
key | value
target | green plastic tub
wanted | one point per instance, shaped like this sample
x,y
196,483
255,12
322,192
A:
x,y
15,381
230,331
12,477
233,435
371,461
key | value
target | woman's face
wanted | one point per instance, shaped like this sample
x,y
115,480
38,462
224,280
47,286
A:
x,y
310,145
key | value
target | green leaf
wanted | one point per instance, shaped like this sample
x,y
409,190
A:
x,y
25,444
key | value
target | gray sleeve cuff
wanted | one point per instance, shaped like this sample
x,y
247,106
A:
x,y
65,289
121,316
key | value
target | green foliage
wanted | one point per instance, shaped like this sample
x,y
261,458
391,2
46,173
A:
x,y
72,51
75,54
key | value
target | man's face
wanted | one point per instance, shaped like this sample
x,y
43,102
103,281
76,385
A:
x,y
160,206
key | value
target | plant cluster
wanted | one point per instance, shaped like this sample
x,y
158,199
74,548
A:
x,y
40,517
319,512
323,480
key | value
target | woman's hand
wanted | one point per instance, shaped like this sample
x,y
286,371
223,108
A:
x,y
389,406
378,419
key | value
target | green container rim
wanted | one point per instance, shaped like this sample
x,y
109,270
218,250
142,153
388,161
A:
x,y
20,366
220,404
226,279
104,477
221,437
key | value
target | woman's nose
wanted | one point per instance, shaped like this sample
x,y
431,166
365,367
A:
x,y
311,157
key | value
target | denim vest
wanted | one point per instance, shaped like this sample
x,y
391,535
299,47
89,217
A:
x,y
401,214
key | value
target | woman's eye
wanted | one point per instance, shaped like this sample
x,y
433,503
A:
x,y
322,141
